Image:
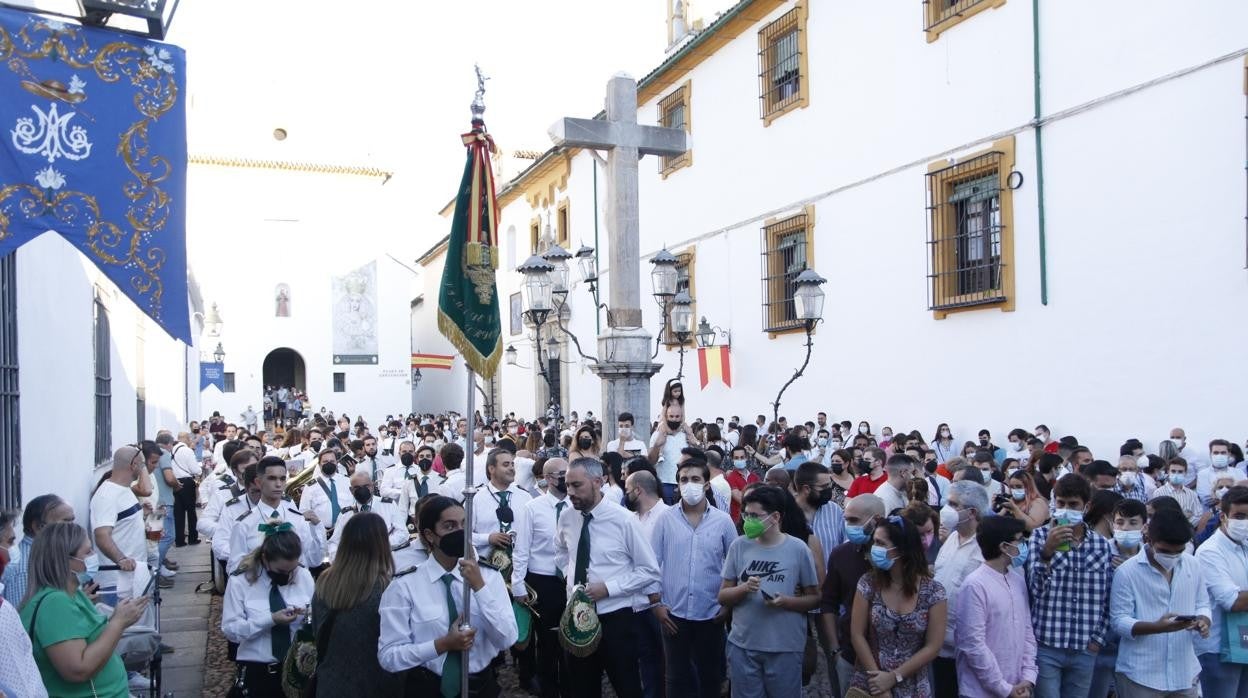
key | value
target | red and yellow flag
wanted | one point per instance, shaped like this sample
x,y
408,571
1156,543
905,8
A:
x,y
714,362
432,361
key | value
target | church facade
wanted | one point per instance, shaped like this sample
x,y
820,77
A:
x,y
1021,219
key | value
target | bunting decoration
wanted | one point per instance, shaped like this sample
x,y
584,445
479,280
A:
x,y
714,362
442,361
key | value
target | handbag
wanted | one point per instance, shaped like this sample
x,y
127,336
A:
x,y
304,655
1235,637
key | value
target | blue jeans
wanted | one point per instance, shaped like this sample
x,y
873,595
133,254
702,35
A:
x,y
695,658
166,538
764,674
650,654
1063,673
1220,679
1103,673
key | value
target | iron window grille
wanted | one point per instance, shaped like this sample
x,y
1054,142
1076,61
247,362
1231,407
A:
x,y
340,382
227,381
780,63
10,441
785,254
937,12
684,282
674,113
964,234
103,386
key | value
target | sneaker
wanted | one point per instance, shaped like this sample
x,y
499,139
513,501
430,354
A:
x,y
164,582
139,684
171,565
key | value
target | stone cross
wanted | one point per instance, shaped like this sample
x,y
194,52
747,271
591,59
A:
x,y
626,141
627,372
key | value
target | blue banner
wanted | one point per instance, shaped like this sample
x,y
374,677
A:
x,y
93,146
211,374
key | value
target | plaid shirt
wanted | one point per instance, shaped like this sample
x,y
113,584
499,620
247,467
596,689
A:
x,y
1136,492
1070,593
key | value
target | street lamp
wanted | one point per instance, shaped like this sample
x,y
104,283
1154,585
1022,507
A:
x,y
537,289
682,325
706,334
150,18
218,354
212,322
663,276
416,377
553,350
509,356
558,258
587,264
808,306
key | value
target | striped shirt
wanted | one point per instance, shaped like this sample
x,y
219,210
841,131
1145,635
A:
x,y
1224,565
829,527
1070,593
691,560
1167,661
1187,498
15,575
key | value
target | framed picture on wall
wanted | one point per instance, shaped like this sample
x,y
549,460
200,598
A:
x,y
517,323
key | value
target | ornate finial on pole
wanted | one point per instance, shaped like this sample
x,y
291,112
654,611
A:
x,y
478,103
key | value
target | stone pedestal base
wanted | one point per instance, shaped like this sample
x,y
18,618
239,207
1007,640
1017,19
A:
x,y
625,367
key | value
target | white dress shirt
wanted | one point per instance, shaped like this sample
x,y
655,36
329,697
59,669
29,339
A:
x,y
619,556
232,510
409,554
246,536
410,494
1210,475
387,509
315,498
535,541
210,517
1224,564
414,615
453,486
485,514
1167,661
893,498
247,620
958,557
648,518
394,477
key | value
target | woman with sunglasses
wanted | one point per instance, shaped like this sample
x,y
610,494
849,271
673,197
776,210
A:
x,y
905,610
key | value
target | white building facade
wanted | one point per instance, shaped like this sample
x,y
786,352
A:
x,y
896,154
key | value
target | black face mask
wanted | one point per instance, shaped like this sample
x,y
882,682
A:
x,y
629,502
838,468
452,544
584,443
425,463
930,466
279,578
329,468
673,425
314,445
407,459
562,485
362,493
983,442
818,499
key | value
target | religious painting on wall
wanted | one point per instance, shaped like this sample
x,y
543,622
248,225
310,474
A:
x,y
517,323
355,316
282,298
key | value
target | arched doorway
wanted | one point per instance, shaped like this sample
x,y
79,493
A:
x,y
284,367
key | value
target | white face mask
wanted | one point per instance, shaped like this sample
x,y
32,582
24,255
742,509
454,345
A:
x,y
1017,446
692,493
15,554
1178,443
1166,561
1220,461
1237,530
862,430
1127,478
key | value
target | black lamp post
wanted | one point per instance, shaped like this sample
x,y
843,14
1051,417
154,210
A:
x,y
682,325
808,306
663,283
218,354
538,288
150,18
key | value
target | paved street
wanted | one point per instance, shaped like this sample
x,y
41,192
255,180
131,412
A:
x,y
184,622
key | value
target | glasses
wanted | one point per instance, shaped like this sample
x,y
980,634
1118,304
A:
x,y
753,516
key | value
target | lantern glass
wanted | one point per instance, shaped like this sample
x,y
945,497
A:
x,y
509,355
706,335
552,349
808,302
559,276
682,317
588,265
537,287
663,278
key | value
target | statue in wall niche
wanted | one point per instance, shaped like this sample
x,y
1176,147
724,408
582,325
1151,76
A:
x,y
283,301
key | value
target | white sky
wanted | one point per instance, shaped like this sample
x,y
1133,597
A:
x,y
388,84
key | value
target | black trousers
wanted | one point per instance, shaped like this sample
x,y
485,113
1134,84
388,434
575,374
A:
x,y
422,683
944,676
257,680
695,658
184,515
616,655
544,652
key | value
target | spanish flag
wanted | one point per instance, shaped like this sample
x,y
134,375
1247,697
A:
x,y
432,361
714,362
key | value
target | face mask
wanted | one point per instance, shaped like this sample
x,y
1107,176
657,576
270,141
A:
x,y
987,473
1070,516
561,484
880,558
1130,539
927,540
692,493
1019,495
673,425
862,429
818,499
626,433
1178,443
949,517
1142,462
858,534
1237,530
452,544
838,468
835,444
407,459
425,463
1021,558
329,468
1178,479
92,565
739,464
929,466
944,433
1166,561
821,441
362,493
584,443
1127,479
983,442
314,445
753,528
1017,446
15,555
279,578
1221,460
1221,492
888,437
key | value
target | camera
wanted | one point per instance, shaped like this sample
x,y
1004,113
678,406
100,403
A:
x,y
999,502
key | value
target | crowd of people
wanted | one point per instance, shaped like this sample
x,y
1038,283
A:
x,y
718,555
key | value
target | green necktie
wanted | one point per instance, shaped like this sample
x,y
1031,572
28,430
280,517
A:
x,y
422,486
333,503
279,636
504,498
582,551
559,510
453,664
366,507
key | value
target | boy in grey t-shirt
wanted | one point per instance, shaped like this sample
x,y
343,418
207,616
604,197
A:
x,y
769,582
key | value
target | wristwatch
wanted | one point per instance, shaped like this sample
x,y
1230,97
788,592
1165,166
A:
x,y
897,678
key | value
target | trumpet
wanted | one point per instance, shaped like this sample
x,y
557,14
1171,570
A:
x,y
295,485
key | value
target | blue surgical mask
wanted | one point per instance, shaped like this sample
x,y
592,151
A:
x,y
1070,517
92,563
1021,558
1128,539
856,534
880,558
1178,478
739,464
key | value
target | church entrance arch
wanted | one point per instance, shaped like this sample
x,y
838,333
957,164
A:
x,y
285,367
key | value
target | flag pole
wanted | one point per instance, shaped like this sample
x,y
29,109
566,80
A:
x,y
470,492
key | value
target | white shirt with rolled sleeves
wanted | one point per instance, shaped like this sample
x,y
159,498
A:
x,y
535,541
619,555
247,620
1224,564
414,615
387,509
485,514
316,499
246,536
1164,662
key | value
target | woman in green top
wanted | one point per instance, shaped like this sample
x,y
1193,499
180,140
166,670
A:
x,y
74,644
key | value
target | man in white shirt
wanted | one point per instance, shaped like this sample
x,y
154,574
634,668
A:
x,y
1196,461
608,555
395,476
185,469
959,556
666,443
371,462
453,460
117,526
1189,501
327,493
498,508
231,433
626,442
365,501
641,493
892,491
535,564
274,506
1219,467
1223,559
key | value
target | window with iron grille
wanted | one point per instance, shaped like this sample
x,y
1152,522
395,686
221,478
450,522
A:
x,y
103,386
674,113
969,248
340,382
940,15
782,72
10,442
227,380
786,247
684,282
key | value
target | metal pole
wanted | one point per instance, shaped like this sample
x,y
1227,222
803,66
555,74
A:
x,y
470,492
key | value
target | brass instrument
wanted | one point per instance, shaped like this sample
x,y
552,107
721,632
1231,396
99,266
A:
x,y
295,485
